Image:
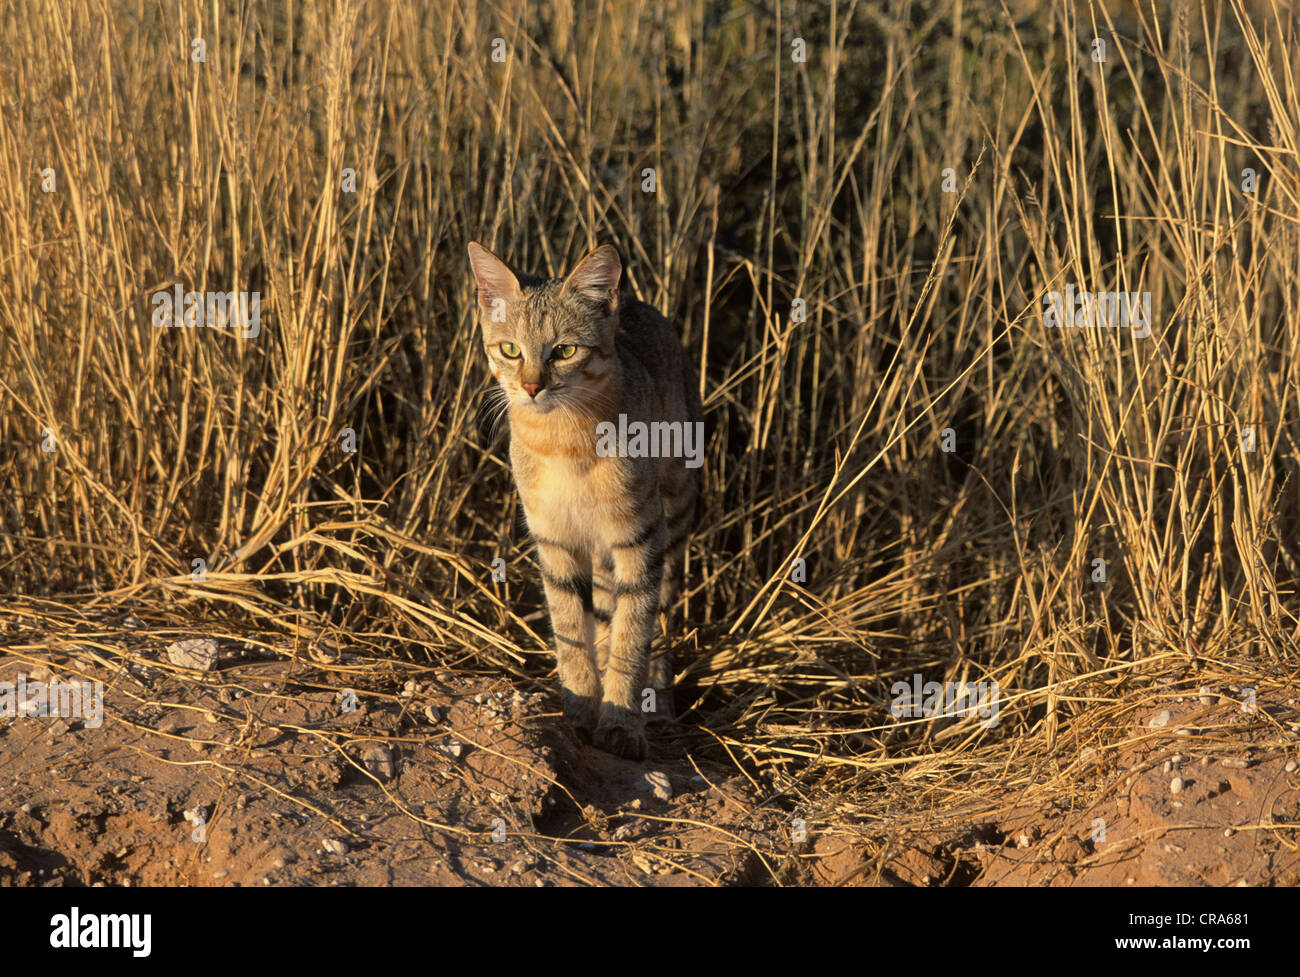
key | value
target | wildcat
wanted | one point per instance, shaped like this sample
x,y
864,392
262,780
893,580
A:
x,y
571,355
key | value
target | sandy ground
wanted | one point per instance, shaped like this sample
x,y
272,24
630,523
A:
x,y
263,771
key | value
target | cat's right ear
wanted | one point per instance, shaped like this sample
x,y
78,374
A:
x,y
497,284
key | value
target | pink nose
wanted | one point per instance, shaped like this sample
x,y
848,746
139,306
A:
x,y
532,388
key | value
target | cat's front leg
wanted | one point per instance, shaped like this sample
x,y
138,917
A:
x,y
638,571
566,575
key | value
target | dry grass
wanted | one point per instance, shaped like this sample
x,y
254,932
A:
x,y
776,180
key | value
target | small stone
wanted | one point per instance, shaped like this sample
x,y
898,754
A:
x,y
452,749
1182,732
1205,696
1177,758
133,622
1159,720
643,863
410,688
334,846
1290,766
1176,785
241,802
378,760
1168,767
657,783
220,873
26,809
1235,763
433,714
1229,832
197,653
278,863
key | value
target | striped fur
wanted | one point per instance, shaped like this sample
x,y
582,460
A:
x,y
611,532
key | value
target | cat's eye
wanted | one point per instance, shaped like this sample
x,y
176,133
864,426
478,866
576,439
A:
x,y
563,351
510,351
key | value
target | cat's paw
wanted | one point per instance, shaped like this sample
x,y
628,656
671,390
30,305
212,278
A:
x,y
580,711
628,742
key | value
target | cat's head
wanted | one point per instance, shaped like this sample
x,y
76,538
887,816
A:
x,y
550,342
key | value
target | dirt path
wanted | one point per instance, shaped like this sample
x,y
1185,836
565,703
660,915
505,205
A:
x,y
264,771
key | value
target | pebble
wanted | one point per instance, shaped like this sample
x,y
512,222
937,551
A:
x,y
26,809
1176,785
410,688
433,713
131,621
657,783
1228,832
220,874
1168,767
198,653
452,750
334,846
1236,763
1159,720
1205,696
378,759
1290,766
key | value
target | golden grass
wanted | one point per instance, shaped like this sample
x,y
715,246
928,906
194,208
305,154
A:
x,y
776,180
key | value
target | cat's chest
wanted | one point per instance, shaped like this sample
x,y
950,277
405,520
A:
x,y
578,499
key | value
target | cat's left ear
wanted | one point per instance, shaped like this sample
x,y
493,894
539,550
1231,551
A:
x,y
596,278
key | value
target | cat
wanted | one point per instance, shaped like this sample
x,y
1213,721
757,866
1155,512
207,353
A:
x,y
576,360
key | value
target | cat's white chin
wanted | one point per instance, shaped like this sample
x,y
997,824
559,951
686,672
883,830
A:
x,y
541,405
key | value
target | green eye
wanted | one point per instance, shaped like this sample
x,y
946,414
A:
x,y
510,351
563,351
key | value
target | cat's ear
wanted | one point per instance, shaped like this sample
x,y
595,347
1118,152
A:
x,y
596,278
497,284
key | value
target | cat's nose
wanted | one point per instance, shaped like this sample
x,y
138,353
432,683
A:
x,y
532,388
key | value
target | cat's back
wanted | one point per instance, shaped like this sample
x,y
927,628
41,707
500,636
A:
x,y
650,344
